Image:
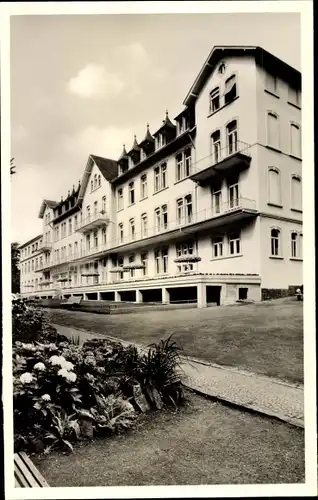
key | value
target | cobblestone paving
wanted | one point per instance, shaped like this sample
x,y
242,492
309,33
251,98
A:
x,y
263,394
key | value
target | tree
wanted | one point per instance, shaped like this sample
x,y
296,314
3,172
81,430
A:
x,y
12,167
15,271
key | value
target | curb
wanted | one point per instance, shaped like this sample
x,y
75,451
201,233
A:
x,y
296,422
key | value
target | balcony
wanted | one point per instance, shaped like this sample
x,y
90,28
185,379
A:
x,y
46,247
235,158
93,221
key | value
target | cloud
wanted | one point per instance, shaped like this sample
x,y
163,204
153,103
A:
x,y
94,81
133,53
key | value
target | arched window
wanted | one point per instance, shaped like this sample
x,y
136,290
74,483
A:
x,y
295,140
216,146
92,186
275,242
99,180
230,89
214,100
274,186
95,181
272,130
231,137
221,68
296,192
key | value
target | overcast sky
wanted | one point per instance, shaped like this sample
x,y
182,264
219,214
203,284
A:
x,y
84,84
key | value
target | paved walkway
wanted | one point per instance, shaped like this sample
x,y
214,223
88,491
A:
x,y
256,392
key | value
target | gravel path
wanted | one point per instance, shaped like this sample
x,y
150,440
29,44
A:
x,y
256,392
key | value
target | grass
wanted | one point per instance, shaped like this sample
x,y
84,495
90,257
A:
x,y
265,338
203,443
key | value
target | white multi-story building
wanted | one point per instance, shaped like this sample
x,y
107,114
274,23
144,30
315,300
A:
x,y
206,209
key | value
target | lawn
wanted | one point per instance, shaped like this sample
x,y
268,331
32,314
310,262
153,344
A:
x,y
203,443
265,338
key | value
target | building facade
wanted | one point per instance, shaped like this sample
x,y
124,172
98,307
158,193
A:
x,y
207,209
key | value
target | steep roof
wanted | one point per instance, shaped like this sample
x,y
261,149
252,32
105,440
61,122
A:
x,y
108,168
262,57
44,204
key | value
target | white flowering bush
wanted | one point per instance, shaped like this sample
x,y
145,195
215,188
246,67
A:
x,y
63,392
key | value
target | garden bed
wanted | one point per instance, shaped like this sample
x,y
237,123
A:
x,y
201,443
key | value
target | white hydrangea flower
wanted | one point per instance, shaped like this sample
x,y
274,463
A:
x,y
39,366
63,373
57,360
26,378
29,347
68,365
46,397
71,376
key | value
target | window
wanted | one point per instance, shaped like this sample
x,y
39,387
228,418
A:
x,y
144,261
131,260
144,225
120,263
217,247
75,222
95,207
132,233
296,192
185,248
295,140
92,186
271,83
296,245
234,244
32,265
143,187
70,250
233,194
95,236
103,205
161,261
120,199
217,199
187,162
75,249
160,177
70,226
231,133
99,181
95,181
104,236
88,212
184,210
179,166
88,242
275,196
216,146
275,242
160,141
214,100
131,193
161,218
272,130
230,89
294,96
242,293
221,68
121,232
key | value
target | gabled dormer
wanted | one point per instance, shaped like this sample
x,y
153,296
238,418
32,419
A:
x,y
123,161
185,120
165,134
147,146
134,153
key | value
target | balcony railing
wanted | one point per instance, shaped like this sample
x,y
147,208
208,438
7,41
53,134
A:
x,y
232,210
93,221
236,155
45,247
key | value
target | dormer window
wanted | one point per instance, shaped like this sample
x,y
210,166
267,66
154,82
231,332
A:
x,y
160,141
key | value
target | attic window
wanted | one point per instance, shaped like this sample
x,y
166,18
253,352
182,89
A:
x,y
230,89
221,68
